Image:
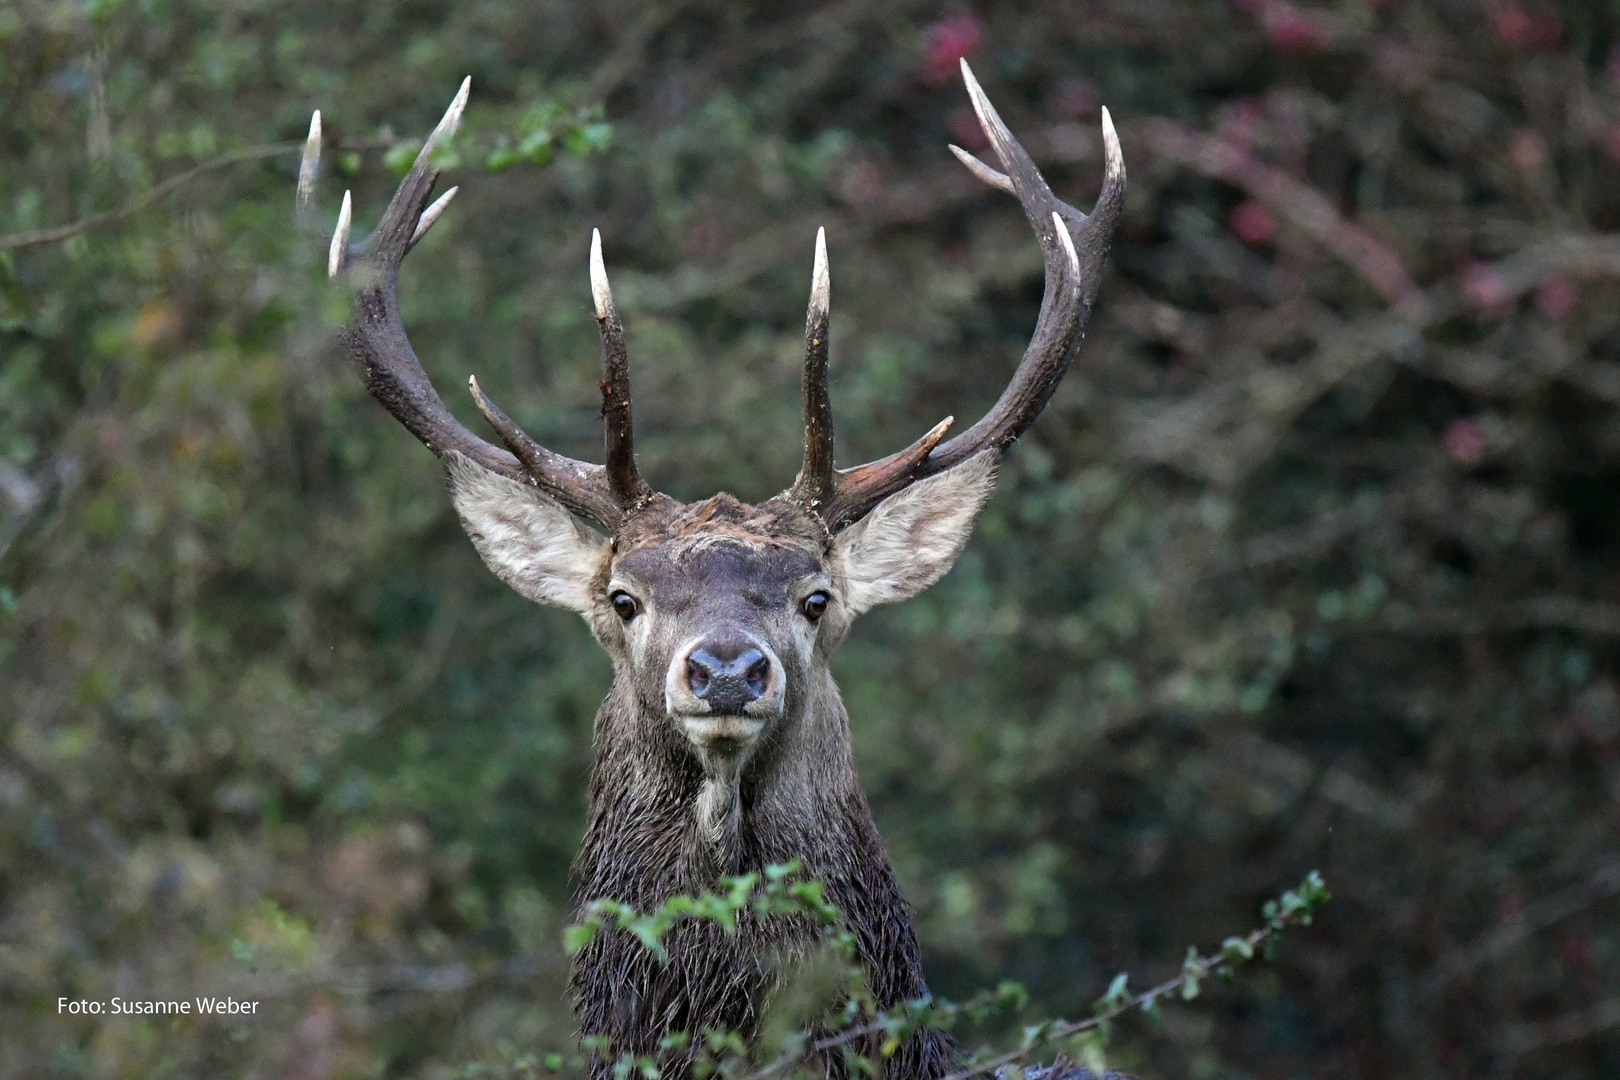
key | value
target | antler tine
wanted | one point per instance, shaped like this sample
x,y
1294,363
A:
x,y
376,341
1074,245
816,483
583,496
618,430
309,167
338,254
431,214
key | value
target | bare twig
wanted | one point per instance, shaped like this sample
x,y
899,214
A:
x,y
1225,430
52,234
1519,1039
633,40
1531,613
1601,885
1300,203
55,233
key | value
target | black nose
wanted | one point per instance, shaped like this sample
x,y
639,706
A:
x,y
728,676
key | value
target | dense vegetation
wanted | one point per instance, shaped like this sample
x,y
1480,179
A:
x,y
1314,562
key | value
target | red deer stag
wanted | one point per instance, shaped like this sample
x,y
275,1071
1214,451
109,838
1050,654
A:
x,y
723,745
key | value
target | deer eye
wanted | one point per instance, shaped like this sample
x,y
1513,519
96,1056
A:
x,y
814,605
624,605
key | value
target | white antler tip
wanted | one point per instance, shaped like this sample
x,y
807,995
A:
x,y
450,121
431,214
820,279
310,166
984,172
1112,155
1067,241
601,295
994,130
340,238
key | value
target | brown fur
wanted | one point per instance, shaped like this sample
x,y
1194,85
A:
x,y
641,847
671,812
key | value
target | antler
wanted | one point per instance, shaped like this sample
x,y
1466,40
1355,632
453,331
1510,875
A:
x,y
376,341
1074,245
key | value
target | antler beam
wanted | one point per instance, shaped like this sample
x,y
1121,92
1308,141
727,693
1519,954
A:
x,y
1074,245
375,339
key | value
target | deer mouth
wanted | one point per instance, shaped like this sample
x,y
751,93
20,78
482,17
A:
x,y
722,736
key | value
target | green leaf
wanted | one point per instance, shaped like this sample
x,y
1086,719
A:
x,y
399,157
577,937
588,138
1117,995
1236,949
1152,1010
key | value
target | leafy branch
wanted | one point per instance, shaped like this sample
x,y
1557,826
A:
x,y
780,891
775,892
538,132
1294,907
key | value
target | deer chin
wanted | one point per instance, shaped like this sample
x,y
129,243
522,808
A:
x,y
722,743
724,737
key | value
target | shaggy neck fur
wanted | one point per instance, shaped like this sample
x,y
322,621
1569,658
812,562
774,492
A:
x,y
657,827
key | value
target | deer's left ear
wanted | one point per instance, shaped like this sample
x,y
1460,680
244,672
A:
x,y
913,537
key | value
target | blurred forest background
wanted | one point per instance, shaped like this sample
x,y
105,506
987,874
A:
x,y
1314,562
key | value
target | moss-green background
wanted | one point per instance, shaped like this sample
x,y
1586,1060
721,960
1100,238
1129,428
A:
x,y
1292,574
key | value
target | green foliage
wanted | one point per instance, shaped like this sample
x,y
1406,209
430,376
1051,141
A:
x,y
1299,568
774,892
850,1019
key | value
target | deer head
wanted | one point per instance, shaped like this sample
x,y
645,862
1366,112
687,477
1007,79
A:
x,y
720,616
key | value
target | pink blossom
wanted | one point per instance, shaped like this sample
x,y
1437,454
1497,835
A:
x,y
1464,442
1291,29
1519,29
1485,287
1253,223
1513,25
949,40
1528,150
1556,296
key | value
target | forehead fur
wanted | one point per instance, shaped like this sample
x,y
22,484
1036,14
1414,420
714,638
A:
x,y
681,529
721,542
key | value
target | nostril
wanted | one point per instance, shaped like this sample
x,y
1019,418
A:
x,y
758,674
697,676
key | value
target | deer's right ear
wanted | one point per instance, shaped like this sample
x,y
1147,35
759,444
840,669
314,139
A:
x,y
527,538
